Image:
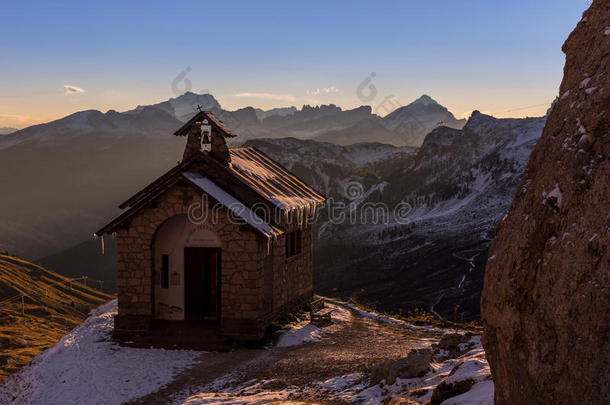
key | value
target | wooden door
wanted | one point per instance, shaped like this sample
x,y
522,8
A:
x,y
201,283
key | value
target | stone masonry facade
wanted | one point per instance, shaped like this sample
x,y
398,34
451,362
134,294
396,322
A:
x,y
258,283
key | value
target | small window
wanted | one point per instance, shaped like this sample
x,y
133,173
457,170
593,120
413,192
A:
x,y
293,243
164,271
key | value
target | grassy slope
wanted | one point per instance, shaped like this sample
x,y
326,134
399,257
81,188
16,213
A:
x,y
51,309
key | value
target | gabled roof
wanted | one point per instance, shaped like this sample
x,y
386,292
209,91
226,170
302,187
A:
x,y
233,204
213,121
250,176
271,180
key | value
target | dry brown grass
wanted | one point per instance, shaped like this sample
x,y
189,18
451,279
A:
x,y
49,309
421,317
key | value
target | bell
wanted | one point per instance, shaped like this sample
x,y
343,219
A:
x,y
206,138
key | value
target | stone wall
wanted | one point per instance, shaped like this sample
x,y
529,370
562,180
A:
x,y
293,277
244,256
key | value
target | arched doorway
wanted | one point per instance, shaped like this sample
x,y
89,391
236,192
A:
x,y
187,261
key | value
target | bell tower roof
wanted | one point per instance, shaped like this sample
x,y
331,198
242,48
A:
x,y
212,121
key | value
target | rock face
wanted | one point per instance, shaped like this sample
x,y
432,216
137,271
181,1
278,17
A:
x,y
416,364
546,294
447,390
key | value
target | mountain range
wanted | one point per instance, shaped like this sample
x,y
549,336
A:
x,y
65,178
458,185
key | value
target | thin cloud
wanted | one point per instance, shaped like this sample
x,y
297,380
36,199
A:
x,y
268,96
69,89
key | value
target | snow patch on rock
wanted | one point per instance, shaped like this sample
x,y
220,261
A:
x,y
305,332
557,195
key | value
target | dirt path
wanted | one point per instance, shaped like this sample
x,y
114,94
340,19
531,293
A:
x,y
353,346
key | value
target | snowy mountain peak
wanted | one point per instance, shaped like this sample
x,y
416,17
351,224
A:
x,y
185,106
425,100
207,101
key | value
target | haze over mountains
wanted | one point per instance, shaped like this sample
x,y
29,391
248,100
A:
x,y
83,165
7,130
67,177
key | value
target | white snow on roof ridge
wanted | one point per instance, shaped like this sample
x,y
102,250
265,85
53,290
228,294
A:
x,y
256,169
232,203
252,168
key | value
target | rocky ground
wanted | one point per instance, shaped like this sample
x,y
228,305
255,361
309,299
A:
x,y
362,358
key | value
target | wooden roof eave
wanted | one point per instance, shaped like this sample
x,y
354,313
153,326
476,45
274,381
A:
x,y
115,223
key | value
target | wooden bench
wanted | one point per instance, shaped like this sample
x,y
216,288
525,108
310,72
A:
x,y
319,315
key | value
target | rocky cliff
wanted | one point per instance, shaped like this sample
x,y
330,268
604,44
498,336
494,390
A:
x,y
545,300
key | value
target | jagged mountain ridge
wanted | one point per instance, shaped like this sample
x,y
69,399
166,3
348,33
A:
x,y
405,126
89,162
262,114
459,184
366,130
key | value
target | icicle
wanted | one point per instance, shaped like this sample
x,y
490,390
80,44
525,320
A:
x,y
300,213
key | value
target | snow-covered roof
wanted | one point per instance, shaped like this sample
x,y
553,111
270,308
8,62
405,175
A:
x,y
234,205
250,167
271,180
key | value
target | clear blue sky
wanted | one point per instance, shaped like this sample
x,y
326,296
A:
x,y
494,56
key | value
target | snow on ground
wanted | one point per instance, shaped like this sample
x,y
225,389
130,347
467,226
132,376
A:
x,y
86,367
305,332
345,388
471,364
249,395
481,393
354,388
